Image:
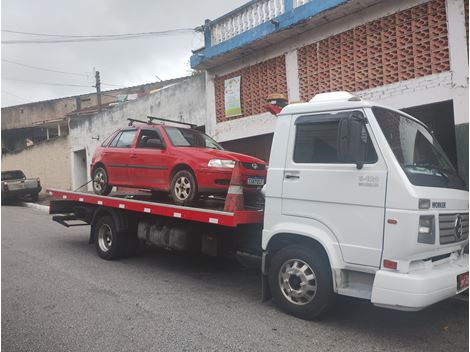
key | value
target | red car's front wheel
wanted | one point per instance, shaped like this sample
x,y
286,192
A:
x,y
100,182
183,187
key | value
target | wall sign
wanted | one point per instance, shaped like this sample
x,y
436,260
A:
x,y
233,106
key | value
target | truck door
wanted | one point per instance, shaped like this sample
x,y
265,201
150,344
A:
x,y
318,188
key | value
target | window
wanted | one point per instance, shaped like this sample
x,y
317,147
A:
x,y
107,140
316,140
115,140
12,175
417,150
125,139
184,137
150,139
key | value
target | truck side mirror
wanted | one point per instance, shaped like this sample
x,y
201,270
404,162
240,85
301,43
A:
x,y
352,139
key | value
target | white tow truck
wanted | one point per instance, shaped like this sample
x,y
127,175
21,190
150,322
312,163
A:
x,y
360,201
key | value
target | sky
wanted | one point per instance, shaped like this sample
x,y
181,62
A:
x,y
121,63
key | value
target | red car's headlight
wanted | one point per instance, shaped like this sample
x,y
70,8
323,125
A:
x,y
221,163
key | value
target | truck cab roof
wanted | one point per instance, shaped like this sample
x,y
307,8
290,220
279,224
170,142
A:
x,y
327,101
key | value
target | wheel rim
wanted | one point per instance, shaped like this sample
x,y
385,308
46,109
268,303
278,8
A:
x,y
105,237
100,180
297,281
182,188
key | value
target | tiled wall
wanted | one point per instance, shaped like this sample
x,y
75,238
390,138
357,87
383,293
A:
x,y
408,44
257,82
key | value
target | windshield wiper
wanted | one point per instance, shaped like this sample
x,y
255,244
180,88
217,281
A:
x,y
442,171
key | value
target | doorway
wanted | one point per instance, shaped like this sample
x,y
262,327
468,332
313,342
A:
x,y
439,117
79,171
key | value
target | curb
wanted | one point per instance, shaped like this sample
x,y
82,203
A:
x,y
44,208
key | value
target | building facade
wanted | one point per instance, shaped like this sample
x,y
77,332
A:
x,y
411,55
35,136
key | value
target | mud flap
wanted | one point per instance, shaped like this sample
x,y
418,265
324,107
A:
x,y
265,290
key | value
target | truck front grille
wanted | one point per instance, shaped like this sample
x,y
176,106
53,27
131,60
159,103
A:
x,y
448,231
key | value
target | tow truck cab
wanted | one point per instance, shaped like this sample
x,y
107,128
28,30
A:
x,y
368,189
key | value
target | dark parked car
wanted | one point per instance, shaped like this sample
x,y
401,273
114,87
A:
x,y
16,185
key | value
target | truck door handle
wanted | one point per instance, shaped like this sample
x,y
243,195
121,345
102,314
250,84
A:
x,y
292,177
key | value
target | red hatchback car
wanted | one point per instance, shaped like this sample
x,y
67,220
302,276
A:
x,y
182,161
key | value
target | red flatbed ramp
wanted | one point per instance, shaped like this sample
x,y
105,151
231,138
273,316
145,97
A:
x,y
210,211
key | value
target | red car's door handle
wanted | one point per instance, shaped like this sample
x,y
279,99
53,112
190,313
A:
x,y
133,156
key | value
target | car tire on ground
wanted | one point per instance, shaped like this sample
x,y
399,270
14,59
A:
x,y
300,281
183,188
100,182
34,197
109,243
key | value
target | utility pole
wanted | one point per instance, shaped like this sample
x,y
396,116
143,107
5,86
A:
x,y
98,89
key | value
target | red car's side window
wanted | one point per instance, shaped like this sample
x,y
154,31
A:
x,y
114,141
126,139
150,139
123,139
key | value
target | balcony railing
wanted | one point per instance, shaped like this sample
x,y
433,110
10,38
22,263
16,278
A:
x,y
253,21
247,18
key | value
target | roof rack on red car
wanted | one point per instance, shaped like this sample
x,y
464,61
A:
x,y
131,122
151,118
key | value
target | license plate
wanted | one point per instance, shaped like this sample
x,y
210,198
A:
x,y
462,281
255,181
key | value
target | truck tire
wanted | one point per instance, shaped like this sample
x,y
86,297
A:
x,y
110,244
300,281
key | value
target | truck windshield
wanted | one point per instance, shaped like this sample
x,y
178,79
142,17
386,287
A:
x,y
417,151
12,175
184,137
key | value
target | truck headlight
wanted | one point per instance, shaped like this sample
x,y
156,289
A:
x,y
426,229
221,163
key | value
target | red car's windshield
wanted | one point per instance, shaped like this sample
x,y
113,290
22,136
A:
x,y
183,137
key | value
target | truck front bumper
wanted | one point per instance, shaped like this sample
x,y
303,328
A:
x,y
419,289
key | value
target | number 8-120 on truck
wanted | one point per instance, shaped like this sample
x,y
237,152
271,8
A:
x,y
360,200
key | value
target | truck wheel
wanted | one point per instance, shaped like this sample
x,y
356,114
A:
x,y
183,187
109,243
100,182
34,197
300,281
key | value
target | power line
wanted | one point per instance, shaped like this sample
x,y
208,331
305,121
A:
x,y
44,69
46,83
14,95
168,31
89,38
57,71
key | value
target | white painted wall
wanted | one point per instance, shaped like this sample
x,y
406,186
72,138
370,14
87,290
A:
x,y
183,101
48,160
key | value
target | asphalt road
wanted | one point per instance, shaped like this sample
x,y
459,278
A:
x,y
58,295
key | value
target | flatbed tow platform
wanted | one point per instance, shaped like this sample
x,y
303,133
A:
x,y
207,211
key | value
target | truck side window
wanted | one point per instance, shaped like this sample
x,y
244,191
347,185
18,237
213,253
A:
x,y
317,142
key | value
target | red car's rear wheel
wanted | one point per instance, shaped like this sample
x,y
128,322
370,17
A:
x,y
183,187
100,182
